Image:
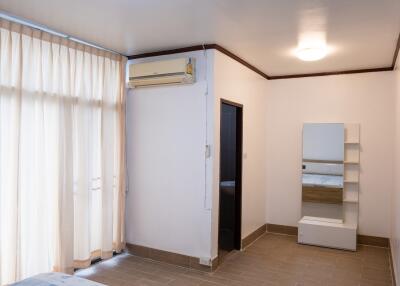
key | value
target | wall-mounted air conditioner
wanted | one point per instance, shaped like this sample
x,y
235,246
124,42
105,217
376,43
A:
x,y
175,71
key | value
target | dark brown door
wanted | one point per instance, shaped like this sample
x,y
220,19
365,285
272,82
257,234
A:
x,y
230,191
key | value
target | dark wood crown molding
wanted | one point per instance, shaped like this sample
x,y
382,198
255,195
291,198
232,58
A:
x,y
256,70
240,60
199,48
396,52
173,51
330,73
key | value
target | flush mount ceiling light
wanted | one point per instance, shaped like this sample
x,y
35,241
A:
x,y
311,53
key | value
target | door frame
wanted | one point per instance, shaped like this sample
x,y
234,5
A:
x,y
239,168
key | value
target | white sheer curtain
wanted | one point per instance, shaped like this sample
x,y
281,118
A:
x,y
61,153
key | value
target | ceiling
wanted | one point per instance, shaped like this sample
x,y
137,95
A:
x,y
361,34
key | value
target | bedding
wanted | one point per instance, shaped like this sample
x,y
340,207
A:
x,y
331,181
55,279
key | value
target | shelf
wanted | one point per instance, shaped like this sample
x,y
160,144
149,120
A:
x,y
350,201
351,162
350,182
351,142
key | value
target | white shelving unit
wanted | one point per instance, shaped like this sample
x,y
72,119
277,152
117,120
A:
x,y
351,192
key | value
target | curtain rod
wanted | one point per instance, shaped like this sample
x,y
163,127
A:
x,y
19,20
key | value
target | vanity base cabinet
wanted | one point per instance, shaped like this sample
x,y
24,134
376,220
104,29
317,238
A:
x,y
327,234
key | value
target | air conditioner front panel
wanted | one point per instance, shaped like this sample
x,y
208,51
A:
x,y
153,81
166,75
175,71
158,68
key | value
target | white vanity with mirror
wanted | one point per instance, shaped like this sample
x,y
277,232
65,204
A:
x,y
330,176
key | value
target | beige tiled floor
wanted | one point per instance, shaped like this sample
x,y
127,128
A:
x,y
271,260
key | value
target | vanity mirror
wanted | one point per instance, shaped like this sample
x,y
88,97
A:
x,y
323,170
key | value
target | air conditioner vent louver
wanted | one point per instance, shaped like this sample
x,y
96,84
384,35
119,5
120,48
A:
x,y
176,71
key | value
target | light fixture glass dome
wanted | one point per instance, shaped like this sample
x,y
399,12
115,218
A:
x,y
311,53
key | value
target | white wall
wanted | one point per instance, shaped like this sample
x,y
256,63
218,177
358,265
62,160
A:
x,y
235,82
395,231
166,133
367,99
172,203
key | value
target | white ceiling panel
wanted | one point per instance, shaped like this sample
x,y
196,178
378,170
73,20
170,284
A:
x,y
359,33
